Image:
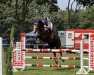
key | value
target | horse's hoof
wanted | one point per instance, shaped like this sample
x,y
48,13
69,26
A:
x,y
56,62
63,60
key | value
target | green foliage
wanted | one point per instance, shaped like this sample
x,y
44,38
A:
x,y
22,15
51,4
86,2
87,18
41,2
53,8
54,1
6,16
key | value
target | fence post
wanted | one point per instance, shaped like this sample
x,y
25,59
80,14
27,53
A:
x,y
82,70
0,56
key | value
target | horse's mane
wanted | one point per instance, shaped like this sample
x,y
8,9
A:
x,y
40,24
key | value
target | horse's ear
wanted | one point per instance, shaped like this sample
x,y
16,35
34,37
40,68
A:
x,y
40,22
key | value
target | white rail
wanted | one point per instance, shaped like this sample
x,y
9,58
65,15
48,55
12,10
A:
x,y
0,56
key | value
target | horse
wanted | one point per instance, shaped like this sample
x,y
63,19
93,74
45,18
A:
x,y
43,34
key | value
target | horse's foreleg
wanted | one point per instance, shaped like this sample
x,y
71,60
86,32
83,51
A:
x,y
55,59
51,46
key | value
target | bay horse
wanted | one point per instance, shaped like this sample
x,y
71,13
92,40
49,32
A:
x,y
43,34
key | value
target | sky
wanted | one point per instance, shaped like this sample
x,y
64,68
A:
x,y
64,3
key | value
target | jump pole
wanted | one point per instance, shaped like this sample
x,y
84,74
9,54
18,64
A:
x,y
82,70
0,56
18,55
91,53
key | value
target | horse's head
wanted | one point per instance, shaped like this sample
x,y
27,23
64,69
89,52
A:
x,y
35,27
38,26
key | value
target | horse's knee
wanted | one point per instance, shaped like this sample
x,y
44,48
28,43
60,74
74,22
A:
x,y
54,53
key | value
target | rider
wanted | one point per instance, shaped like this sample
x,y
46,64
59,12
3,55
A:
x,y
49,25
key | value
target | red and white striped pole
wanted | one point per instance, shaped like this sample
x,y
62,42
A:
x,y
18,60
53,65
23,38
49,50
91,52
57,57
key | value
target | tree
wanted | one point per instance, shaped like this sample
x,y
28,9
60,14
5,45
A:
x,y
15,18
86,18
86,3
72,13
51,3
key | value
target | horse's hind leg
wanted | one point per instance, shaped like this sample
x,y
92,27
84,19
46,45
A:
x,y
61,56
